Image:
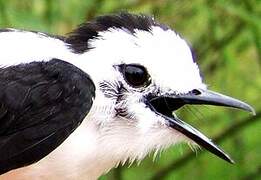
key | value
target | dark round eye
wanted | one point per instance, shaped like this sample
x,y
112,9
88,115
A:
x,y
136,75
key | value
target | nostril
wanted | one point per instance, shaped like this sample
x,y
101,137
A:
x,y
196,92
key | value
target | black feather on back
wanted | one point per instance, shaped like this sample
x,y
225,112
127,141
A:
x,y
41,104
78,39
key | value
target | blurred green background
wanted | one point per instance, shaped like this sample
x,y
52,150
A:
x,y
226,38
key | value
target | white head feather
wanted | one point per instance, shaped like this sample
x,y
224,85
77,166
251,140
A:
x,y
106,138
168,60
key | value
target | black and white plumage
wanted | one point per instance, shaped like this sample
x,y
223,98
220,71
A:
x,y
42,103
81,104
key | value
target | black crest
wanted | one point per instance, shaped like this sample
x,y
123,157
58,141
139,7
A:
x,y
78,39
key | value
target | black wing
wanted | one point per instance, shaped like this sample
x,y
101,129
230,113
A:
x,y
41,104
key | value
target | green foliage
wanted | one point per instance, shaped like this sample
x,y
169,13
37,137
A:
x,y
226,36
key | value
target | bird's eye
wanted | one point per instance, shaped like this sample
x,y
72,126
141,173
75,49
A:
x,y
136,75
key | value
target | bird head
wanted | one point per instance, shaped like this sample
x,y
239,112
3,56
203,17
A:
x,y
143,72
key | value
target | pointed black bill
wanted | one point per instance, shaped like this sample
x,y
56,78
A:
x,y
165,105
213,98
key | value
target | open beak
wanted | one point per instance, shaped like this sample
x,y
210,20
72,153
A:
x,y
165,105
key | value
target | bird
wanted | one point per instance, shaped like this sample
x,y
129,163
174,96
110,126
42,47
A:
x,y
76,106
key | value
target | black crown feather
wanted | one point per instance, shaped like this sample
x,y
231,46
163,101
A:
x,y
78,39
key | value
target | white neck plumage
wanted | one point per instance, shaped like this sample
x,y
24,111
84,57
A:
x,y
81,156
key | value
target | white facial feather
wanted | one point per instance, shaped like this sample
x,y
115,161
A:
x,y
111,139
166,56
168,60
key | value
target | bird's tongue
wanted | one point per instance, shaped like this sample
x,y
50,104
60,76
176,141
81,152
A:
x,y
165,105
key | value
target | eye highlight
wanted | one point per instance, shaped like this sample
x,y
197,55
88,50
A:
x,y
136,75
